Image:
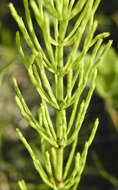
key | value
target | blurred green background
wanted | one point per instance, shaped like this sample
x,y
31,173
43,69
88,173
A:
x,y
15,162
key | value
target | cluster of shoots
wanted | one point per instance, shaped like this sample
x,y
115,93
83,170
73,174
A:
x,y
70,78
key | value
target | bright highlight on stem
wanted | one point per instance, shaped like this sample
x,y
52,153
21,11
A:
x,y
57,15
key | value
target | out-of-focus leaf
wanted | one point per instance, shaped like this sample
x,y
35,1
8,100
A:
x,y
7,53
6,37
8,56
107,80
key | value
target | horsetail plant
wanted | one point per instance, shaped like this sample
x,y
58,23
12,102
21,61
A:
x,y
54,18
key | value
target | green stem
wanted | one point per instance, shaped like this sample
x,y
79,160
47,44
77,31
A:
x,y
59,171
59,96
59,130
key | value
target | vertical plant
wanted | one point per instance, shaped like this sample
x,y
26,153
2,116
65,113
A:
x,y
64,132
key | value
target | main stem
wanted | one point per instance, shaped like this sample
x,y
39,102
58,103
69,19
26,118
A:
x,y
59,127
62,26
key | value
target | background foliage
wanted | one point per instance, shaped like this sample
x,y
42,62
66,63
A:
x,y
14,160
